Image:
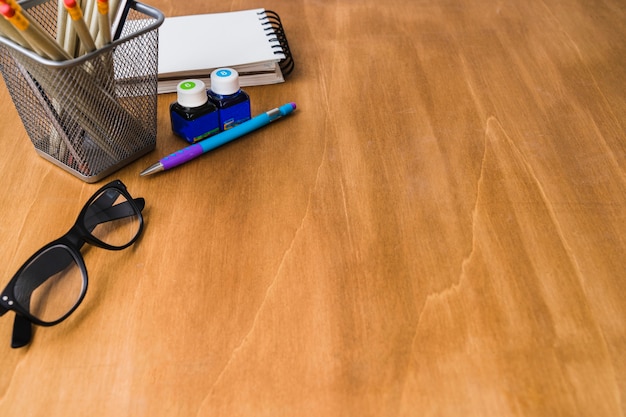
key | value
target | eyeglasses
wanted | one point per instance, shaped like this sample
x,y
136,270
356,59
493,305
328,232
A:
x,y
53,282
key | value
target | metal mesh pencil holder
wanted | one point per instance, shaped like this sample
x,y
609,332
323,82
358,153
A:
x,y
93,114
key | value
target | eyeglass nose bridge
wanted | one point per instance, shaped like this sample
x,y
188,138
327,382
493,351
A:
x,y
74,238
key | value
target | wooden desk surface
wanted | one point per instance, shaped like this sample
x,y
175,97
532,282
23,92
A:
x,y
437,231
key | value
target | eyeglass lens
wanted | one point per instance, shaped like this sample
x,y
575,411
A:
x,y
112,219
50,285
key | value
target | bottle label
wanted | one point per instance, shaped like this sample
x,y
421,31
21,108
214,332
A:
x,y
234,115
195,130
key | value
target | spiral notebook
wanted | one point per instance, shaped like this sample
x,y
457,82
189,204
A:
x,y
251,41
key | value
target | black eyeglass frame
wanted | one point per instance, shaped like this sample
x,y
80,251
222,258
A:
x,y
72,241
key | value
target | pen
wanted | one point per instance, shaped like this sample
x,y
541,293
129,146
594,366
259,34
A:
x,y
197,149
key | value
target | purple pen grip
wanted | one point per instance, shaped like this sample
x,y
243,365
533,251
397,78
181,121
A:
x,y
182,156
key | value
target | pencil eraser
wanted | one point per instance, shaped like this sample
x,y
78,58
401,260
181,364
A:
x,y
6,10
70,3
293,105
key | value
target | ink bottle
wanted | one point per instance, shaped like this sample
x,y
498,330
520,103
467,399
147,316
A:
x,y
233,104
193,116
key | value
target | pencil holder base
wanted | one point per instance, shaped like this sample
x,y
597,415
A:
x,y
103,174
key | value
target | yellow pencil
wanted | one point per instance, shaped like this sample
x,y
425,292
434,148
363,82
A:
x,y
9,31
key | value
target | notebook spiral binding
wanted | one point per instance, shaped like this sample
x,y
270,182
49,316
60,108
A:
x,y
274,27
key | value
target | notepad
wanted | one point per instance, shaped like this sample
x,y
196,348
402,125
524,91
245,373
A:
x,y
251,41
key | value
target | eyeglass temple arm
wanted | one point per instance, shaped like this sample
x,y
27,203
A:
x,y
22,329
22,332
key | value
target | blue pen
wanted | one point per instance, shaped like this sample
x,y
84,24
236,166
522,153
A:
x,y
197,149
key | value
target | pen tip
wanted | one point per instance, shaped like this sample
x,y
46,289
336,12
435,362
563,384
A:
x,y
152,169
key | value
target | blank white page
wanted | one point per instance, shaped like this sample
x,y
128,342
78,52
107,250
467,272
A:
x,y
208,41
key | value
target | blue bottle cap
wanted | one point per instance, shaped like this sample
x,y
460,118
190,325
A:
x,y
225,81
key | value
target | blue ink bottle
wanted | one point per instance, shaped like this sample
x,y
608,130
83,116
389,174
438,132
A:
x,y
232,102
193,116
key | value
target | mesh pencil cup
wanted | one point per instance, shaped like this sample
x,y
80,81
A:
x,y
93,114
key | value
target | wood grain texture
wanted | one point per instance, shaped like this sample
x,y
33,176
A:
x,y
437,231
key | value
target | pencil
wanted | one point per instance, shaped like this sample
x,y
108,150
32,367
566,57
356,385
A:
x,y
17,8
9,31
61,23
90,13
79,24
33,33
104,24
